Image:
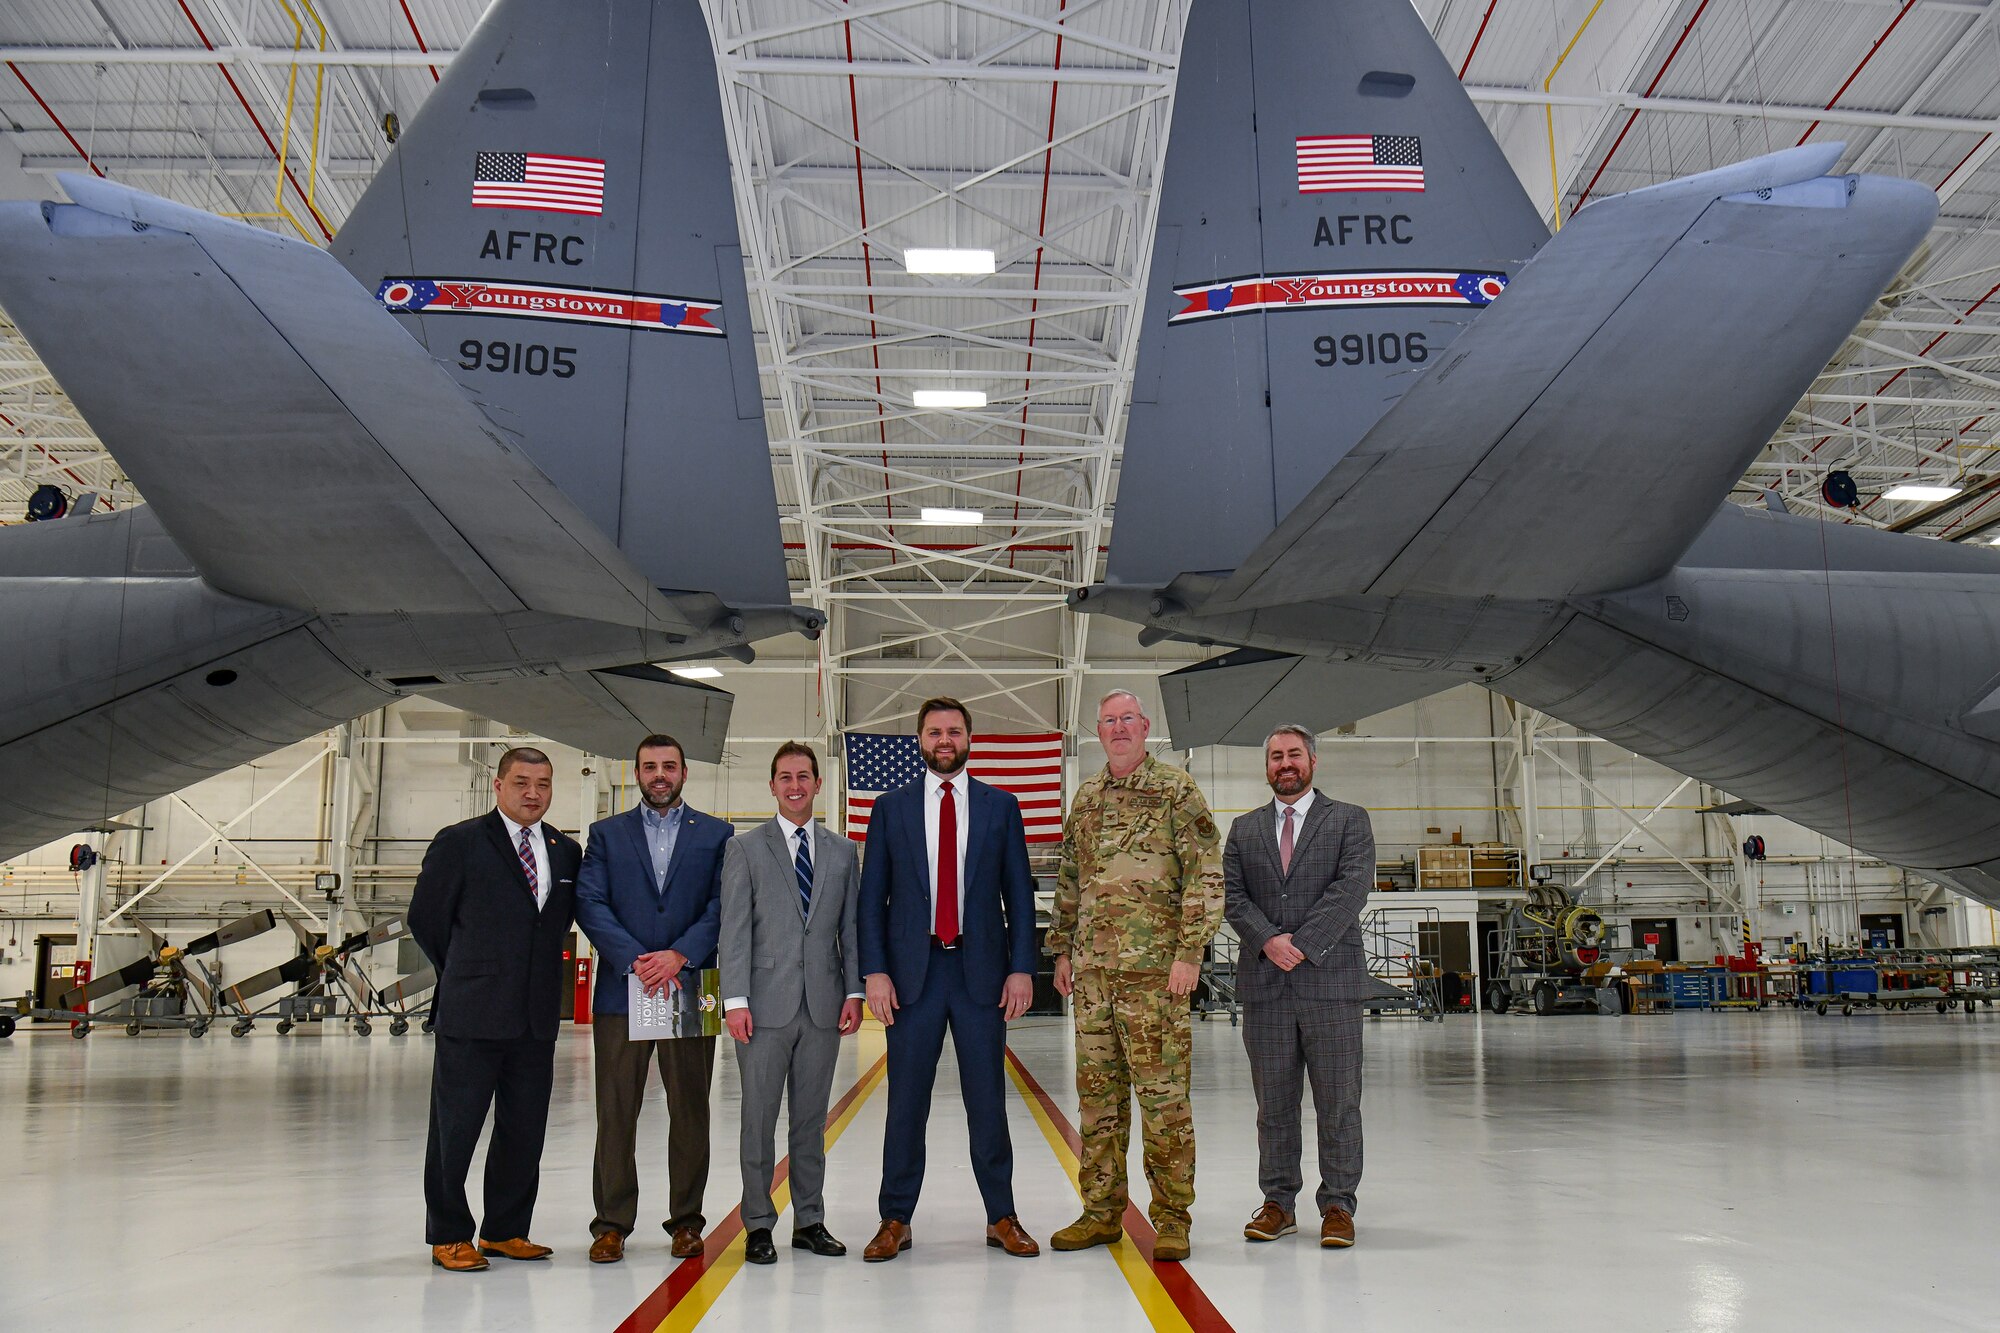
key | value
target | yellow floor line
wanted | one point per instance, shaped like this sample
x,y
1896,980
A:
x,y
1152,1297
703,1294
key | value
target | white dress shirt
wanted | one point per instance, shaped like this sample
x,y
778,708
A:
x,y
1301,805
540,844
933,807
790,832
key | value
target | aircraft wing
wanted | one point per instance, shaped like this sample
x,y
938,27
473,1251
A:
x,y
604,712
297,444
1580,434
1236,699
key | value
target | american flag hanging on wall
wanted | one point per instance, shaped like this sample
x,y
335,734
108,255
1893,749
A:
x,y
1030,766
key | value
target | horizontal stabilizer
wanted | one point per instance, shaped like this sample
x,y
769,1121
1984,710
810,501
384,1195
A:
x,y
604,712
1236,699
1578,437
304,450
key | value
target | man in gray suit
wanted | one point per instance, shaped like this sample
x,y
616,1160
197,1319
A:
x,y
791,986
1296,875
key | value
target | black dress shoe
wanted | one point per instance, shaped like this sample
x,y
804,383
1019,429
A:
x,y
819,1240
758,1249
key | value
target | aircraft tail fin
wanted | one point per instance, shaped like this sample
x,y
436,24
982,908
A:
x,y
604,712
557,227
1333,213
1579,438
1236,699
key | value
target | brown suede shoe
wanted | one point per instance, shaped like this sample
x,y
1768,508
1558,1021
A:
x,y
891,1239
1087,1231
518,1248
687,1242
1006,1234
1336,1230
457,1257
608,1248
1270,1222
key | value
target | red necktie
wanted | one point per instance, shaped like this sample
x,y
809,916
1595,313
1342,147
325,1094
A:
x,y
947,869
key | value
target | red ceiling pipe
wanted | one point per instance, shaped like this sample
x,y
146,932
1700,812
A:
x,y
414,32
276,156
1908,5
50,112
1035,304
1680,42
867,260
1478,37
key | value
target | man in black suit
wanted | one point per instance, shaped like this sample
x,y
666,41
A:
x,y
492,910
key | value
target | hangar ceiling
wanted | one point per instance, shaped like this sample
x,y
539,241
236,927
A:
x,y
1037,130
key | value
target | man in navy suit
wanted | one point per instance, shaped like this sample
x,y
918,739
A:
x,y
491,911
649,896
947,931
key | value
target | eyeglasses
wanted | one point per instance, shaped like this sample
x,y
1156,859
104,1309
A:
x,y
1123,720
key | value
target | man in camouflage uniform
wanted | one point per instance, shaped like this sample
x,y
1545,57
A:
x,y
1139,898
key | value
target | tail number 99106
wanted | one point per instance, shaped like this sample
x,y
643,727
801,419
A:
x,y
505,358
1372,349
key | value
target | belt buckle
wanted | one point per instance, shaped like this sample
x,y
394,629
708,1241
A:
x,y
948,948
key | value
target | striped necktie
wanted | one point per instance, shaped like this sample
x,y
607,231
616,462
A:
x,y
802,866
528,866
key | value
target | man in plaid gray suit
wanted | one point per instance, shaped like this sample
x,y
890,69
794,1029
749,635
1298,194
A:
x,y
1296,875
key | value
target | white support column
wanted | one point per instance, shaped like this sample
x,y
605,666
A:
x,y
340,831
90,900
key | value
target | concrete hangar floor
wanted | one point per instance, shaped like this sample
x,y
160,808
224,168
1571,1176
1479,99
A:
x,y
1707,1171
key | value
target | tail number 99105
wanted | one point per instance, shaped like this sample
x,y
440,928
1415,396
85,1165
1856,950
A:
x,y
505,358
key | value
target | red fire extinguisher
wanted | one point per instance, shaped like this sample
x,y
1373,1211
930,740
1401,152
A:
x,y
583,990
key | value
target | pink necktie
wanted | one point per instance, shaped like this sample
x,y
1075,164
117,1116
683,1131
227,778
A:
x,y
1285,843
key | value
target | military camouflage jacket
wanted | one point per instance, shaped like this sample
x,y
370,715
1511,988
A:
x,y
1141,880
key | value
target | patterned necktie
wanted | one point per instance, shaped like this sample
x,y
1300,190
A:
x,y
947,868
528,866
802,866
1285,843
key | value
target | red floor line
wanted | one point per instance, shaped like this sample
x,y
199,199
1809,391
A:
x,y
1179,1284
685,1274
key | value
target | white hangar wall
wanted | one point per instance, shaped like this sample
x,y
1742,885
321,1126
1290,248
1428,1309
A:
x,y
1442,767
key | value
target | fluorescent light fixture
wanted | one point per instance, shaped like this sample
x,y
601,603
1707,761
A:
x,y
1916,492
948,261
949,398
963,518
696,672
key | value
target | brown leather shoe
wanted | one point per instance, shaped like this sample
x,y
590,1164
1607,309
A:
x,y
1006,1234
1270,1222
891,1239
1336,1229
687,1242
518,1248
608,1248
457,1257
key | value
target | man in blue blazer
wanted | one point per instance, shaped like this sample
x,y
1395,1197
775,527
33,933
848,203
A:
x,y
649,896
947,933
